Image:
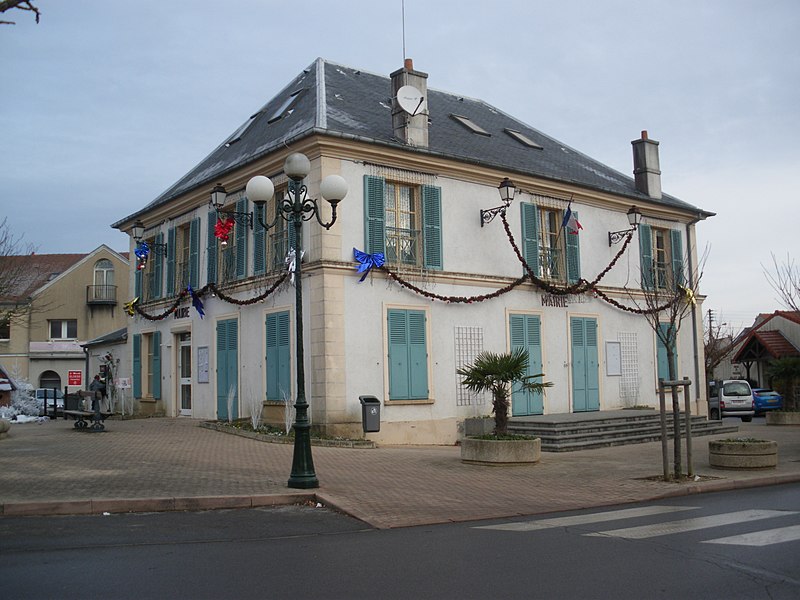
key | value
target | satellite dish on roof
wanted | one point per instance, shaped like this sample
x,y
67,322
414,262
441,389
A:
x,y
410,99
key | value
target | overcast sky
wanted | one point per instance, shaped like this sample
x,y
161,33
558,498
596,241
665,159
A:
x,y
106,103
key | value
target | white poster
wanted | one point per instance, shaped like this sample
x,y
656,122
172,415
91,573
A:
x,y
613,358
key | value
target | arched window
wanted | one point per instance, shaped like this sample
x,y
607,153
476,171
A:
x,y
50,380
104,280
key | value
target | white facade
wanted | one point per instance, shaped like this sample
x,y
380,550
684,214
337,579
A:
x,y
379,338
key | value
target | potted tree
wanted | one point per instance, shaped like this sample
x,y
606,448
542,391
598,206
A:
x,y
785,373
497,373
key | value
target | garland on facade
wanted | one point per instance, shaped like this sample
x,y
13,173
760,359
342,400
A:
x,y
197,295
367,262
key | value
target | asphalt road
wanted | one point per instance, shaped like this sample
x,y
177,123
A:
x,y
741,544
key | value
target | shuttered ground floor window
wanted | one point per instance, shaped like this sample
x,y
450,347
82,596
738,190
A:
x,y
408,355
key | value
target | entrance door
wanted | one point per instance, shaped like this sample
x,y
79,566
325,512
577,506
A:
x,y
526,333
185,373
227,369
585,374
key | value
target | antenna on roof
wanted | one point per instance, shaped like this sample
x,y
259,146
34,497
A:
x,y
403,10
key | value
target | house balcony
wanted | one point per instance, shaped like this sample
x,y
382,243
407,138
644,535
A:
x,y
101,294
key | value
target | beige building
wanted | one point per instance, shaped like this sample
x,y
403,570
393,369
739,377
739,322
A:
x,y
64,300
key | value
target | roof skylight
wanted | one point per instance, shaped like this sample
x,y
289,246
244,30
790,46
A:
x,y
236,136
470,124
523,139
287,104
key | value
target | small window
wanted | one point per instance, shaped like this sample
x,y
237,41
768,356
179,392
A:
x,y
470,124
286,106
523,139
5,329
66,329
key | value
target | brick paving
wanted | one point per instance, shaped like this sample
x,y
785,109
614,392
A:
x,y
174,464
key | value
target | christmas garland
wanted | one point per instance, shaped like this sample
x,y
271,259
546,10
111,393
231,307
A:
x,y
212,288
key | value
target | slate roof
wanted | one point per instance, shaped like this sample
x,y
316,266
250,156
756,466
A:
x,y
341,101
27,273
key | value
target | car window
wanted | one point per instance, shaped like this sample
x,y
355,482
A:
x,y
736,388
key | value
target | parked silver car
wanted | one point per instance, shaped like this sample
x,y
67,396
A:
x,y
736,399
44,397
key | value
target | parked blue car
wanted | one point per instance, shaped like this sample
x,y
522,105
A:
x,y
765,399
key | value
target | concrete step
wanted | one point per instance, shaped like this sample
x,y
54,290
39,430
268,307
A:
x,y
570,434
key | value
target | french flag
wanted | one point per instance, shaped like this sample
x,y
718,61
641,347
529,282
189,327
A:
x,y
571,221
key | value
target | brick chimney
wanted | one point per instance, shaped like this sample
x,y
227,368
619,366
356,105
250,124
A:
x,y
646,168
411,129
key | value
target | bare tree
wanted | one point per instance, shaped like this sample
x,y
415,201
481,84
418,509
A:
x,y
785,280
666,298
718,342
14,274
19,5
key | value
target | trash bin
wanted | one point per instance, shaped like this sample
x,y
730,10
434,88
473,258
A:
x,y
370,413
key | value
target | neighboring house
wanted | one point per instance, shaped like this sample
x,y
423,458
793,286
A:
x,y
771,336
65,299
419,173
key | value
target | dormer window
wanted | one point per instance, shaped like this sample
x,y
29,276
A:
x,y
470,124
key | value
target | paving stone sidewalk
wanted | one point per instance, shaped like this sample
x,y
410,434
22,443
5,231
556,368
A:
x,y
174,464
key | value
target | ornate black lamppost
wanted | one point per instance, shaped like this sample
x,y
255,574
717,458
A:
x,y
295,208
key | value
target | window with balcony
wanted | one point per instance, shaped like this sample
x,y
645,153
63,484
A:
x,y
661,255
404,222
551,250
103,289
271,246
227,260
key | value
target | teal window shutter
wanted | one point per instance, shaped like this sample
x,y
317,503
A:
x,y
137,284
212,247
573,255
408,355
194,253
417,355
156,391
170,283
158,270
137,365
432,226
646,256
241,242
530,235
374,214
259,243
278,365
676,244
661,353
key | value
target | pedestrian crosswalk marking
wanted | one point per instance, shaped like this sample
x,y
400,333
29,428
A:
x,y
613,515
761,538
648,531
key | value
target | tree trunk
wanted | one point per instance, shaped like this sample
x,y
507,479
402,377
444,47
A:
x,y
676,413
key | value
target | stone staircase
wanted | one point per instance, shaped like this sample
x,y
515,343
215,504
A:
x,y
582,431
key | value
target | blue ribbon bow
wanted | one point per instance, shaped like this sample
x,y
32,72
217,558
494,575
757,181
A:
x,y
142,250
196,302
367,261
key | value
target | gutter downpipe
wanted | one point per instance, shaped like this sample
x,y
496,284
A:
x,y
697,387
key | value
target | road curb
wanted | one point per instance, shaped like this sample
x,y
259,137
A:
x,y
730,484
142,505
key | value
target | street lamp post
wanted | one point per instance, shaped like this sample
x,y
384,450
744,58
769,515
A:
x,y
295,208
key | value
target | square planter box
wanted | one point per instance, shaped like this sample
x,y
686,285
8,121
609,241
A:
x,y
501,452
783,418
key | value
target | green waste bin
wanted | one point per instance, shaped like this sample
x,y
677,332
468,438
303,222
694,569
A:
x,y
370,413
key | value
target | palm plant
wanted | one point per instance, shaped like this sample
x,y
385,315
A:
x,y
497,373
785,373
